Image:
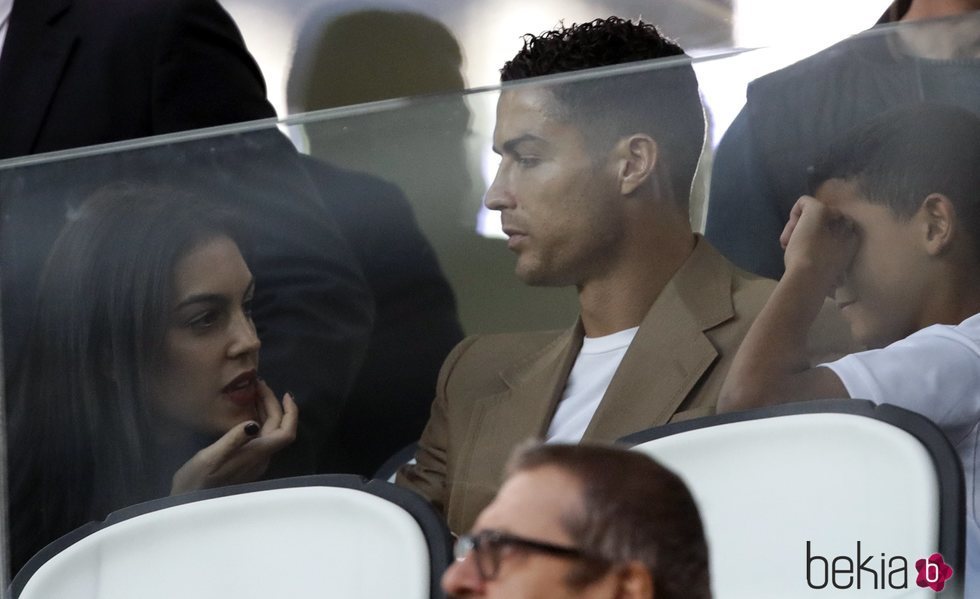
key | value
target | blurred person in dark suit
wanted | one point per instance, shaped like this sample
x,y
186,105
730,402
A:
x,y
415,176
415,322
925,51
82,72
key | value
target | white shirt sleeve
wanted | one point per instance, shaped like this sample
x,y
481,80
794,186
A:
x,y
935,372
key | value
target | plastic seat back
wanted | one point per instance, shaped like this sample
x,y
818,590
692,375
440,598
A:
x,y
348,539
815,499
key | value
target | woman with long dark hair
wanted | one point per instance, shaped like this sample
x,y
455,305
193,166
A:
x,y
140,375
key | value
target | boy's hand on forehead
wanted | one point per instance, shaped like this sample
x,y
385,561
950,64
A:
x,y
773,364
820,240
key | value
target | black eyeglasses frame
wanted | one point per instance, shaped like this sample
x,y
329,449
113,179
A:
x,y
489,543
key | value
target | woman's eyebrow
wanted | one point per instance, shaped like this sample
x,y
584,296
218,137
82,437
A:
x,y
200,298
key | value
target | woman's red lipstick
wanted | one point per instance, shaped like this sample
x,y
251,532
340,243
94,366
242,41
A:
x,y
243,390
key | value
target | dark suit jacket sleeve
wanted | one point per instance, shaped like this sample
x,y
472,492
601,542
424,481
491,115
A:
x,y
429,475
415,317
203,75
744,216
84,72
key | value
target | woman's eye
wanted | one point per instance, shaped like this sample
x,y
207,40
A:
x,y
205,319
527,161
247,308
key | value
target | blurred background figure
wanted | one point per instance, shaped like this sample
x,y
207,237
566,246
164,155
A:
x,y
372,55
792,115
83,72
340,62
425,146
361,57
415,323
140,378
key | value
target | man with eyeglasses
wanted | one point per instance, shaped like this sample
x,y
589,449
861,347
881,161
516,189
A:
x,y
585,521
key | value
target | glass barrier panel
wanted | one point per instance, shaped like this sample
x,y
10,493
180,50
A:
x,y
319,54
215,307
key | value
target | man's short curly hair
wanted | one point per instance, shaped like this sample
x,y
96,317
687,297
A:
x,y
662,101
598,43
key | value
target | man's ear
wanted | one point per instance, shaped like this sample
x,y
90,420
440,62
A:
x,y
940,224
637,156
635,582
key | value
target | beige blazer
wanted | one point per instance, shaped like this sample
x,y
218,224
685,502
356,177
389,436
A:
x,y
496,391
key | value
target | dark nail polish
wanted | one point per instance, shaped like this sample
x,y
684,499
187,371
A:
x,y
252,429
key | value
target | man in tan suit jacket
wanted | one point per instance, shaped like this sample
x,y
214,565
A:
x,y
593,190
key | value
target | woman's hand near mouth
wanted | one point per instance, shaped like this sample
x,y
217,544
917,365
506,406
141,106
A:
x,y
243,453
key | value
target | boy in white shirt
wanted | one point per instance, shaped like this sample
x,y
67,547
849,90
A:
x,y
893,230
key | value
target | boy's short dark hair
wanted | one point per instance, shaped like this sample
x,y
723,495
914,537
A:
x,y
902,156
663,102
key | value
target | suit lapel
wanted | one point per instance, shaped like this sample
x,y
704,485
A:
x,y
39,41
670,352
502,421
534,389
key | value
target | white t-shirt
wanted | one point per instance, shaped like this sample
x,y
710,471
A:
x,y
594,368
935,372
5,6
